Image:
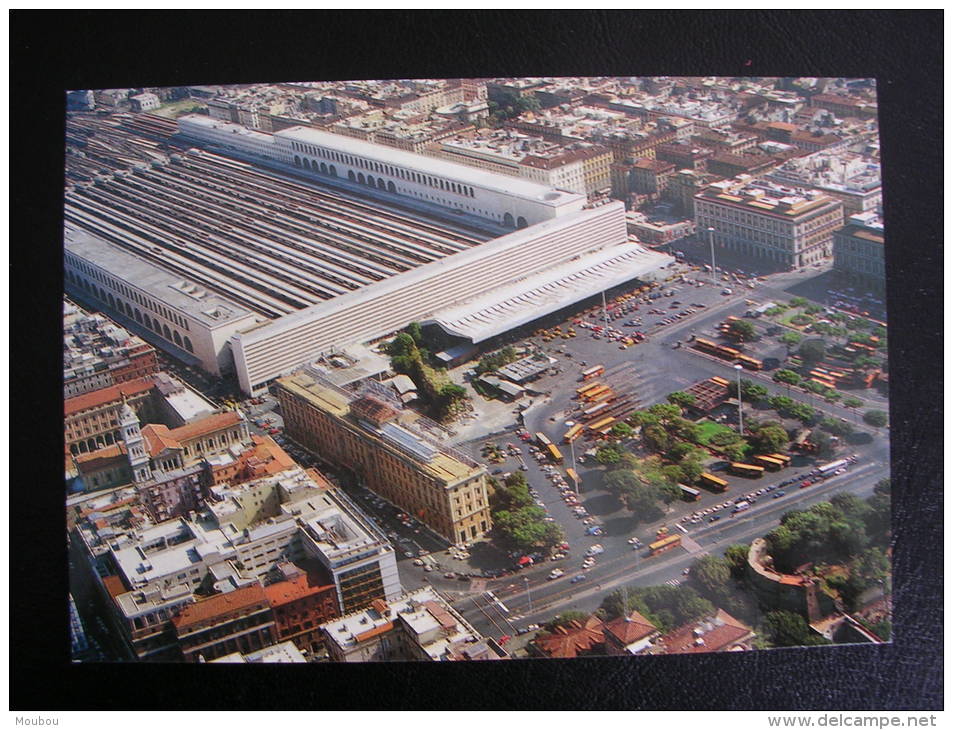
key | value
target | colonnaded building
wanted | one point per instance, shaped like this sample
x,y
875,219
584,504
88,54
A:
x,y
254,254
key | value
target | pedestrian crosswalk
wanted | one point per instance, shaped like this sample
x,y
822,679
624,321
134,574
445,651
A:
x,y
674,582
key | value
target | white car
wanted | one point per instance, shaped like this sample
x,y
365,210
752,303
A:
x,y
595,550
556,573
588,562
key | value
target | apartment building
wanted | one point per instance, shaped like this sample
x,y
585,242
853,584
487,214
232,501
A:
x,y
238,621
859,253
378,443
767,221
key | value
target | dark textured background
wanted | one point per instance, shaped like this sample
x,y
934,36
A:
x,y
55,51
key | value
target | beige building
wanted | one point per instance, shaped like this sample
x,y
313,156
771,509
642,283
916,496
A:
x,y
375,441
792,228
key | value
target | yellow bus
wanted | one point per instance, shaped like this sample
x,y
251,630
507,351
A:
x,y
783,458
555,454
601,423
710,480
542,440
666,543
581,392
746,470
573,433
719,381
573,476
768,463
750,363
596,393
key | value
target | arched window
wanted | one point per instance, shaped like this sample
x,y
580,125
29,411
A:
x,y
333,171
297,161
138,315
391,188
324,168
360,178
350,175
188,344
176,338
521,222
508,220
380,183
155,325
370,180
307,163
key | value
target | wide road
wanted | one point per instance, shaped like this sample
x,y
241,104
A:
x,y
529,597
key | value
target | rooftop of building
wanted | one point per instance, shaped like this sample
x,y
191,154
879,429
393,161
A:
x,y
766,197
105,396
548,290
296,588
631,628
502,184
223,605
721,632
566,642
284,653
203,305
396,431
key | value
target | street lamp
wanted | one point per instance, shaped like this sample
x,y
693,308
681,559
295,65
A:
x,y
529,597
741,428
605,312
711,243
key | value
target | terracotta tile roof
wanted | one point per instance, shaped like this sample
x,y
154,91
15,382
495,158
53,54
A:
x,y
220,605
158,438
629,631
287,591
115,586
104,396
440,614
101,458
209,424
568,641
725,631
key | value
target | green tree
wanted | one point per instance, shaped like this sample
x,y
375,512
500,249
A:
x,y
737,557
813,350
621,430
415,331
875,418
787,376
791,339
691,468
753,392
681,398
785,628
853,403
656,438
797,302
741,330
608,455
823,443
769,438
402,345
664,606
665,412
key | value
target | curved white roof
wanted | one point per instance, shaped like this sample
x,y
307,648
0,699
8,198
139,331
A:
x,y
550,290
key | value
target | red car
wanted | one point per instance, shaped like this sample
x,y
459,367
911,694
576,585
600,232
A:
x,y
274,430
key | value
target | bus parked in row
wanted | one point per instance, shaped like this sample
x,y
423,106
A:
x,y
710,480
746,470
769,463
594,372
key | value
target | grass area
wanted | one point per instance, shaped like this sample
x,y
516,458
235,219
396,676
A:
x,y
177,108
786,318
707,429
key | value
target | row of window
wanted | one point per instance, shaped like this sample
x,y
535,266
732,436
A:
x,y
403,174
128,292
127,309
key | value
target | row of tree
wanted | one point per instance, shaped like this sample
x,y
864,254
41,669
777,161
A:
x,y
518,519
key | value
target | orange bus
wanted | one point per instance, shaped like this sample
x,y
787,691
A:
x,y
594,372
581,392
710,480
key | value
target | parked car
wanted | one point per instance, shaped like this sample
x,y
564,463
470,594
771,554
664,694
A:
x,y
556,573
577,578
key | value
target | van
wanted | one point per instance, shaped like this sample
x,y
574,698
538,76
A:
x,y
740,507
